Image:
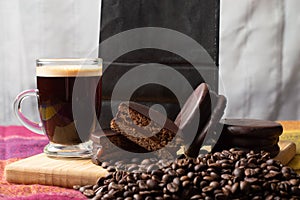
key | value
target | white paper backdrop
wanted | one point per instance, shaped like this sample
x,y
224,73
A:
x,y
259,51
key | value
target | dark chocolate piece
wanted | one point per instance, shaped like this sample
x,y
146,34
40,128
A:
x,y
109,140
250,134
110,145
211,126
252,127
194,114
192,106
248,141
134,122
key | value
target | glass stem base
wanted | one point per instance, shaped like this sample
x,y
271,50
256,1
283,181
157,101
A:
x,y
83,150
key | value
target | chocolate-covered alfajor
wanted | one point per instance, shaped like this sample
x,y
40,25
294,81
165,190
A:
x,y
146,127
250,134
140,129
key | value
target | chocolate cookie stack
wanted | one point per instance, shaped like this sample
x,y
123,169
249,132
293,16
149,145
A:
x,y
134,133
108,145
138,130
133,121
250,134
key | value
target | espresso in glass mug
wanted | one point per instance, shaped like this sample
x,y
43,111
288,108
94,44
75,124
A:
x,y
69,104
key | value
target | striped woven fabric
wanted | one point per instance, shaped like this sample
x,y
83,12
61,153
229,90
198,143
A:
x,y
16,143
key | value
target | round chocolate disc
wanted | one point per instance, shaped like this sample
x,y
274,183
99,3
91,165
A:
x,y
252,127
191,106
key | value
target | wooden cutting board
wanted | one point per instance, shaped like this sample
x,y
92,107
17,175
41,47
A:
x,y
40,169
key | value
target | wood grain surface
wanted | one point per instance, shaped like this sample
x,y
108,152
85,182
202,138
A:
x,y
40,169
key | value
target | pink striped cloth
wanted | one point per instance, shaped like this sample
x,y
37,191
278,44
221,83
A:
x,y
17,142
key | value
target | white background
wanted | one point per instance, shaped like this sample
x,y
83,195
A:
x,y
259,51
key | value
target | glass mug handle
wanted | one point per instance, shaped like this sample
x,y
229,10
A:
x,y
32,126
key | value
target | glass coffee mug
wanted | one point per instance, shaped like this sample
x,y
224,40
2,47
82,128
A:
x,y
69,102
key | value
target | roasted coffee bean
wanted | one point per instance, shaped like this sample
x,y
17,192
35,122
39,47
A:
x,y
114,186
157,172
152,184
172,187
196,197
203,184
196,180
199,167
191,175
145,176
95,187
108,196
230,174
137,197
207,189
171,172
208,178
214,184
257,198
155,178
146,161
250,172
148,198
128,194
214,176
226,176
166,178
295,190
244,186
221,196
256,188
76,187
235,187
100,180
226,191
142,185
101,189
251,179
180,171
176,181
152,167
184,178
270,162
174,165
89,193
185,183
108,176
105,164
111,169
271,167
294,181
83,188
133,167
286,170
272,174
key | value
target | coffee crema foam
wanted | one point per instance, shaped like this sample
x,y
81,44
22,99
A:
x,y
68,71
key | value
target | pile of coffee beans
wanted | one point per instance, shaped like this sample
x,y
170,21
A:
x,y
230,174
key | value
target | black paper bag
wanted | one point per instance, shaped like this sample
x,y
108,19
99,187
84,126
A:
x,y
162,32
